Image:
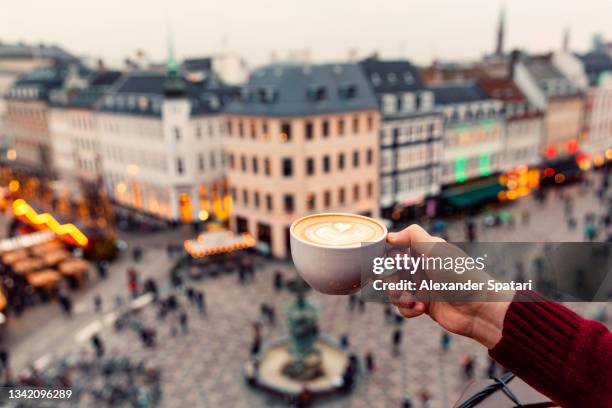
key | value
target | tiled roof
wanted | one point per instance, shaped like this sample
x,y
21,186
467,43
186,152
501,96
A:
x,y
392,76
142,92
502,89
458,92
37,84
24,51
300,90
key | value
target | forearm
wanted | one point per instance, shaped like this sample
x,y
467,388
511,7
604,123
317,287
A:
x,y
556,351
489,322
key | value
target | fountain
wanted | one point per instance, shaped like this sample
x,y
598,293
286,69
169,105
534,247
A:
x,y
305,359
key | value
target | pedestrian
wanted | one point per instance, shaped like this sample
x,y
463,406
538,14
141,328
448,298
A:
x,y
344,341
189,292
467,363
4,360
271,315
407,401
102,268
278,280
65,302
525,217
200,302
445,341
396,340
369,362
96,342
590,232
361,304
424,396
132,275
97,303
352,302
184,320
137,254
151,287
388,313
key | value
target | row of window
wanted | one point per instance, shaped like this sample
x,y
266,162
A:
x,y
322,201
312,128
252,165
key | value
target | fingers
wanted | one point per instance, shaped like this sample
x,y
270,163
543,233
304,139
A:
x,y
412,309
411,234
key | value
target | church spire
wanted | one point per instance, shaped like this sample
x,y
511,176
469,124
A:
x,y
501,27
566,39
174,86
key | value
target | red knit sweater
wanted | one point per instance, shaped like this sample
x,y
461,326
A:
x,y
557,352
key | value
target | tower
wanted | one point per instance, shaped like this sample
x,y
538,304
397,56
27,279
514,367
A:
x,y
499,49
566,39
174,86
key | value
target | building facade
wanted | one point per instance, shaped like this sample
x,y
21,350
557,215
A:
x,y
410,137
523,126
598,110
28,114
162,145
303,139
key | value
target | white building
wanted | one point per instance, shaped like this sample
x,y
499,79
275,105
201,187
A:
x,y
162,145
598,114
410,137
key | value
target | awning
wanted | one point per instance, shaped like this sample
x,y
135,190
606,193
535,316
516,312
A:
x,y
468,195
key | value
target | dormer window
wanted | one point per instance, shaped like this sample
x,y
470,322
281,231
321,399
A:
x,y
317,93
408,78
347,91
391,77
376,79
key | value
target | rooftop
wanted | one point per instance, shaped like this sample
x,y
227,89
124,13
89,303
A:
x,y
596,64
392,75
300,90
458,92
502,89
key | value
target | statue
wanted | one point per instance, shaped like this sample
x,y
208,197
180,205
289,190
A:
x,y
305,363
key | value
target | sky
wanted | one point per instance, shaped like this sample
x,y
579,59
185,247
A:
x,y
329,30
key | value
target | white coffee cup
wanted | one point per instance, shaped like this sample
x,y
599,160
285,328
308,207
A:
x,y
331,256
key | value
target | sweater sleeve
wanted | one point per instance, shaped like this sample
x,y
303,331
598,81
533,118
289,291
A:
x,y
557,352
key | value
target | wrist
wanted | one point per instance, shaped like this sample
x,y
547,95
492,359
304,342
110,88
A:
x,y
489,322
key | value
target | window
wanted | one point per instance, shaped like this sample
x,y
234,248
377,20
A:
x,y
240,129
256,199
310,201
201,162
341,127
198,132
288,203
341,195
326,165
341,161
233,194
179,165
287,167
369,189
213,162
285,135
327,198
245,197
369,156
253,131
325,128
370,123
308,130
269,202
255,165
310,166
264,130
177,134
243,165
356,124
356,192
356,158
267,170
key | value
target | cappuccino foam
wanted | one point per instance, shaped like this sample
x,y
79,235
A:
x,y
338,230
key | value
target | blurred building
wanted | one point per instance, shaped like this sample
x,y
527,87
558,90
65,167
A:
x,y
161,141
542,81
28,114
229,68
76,145
598,112
303,139
473,143
523,126
410,137
18,59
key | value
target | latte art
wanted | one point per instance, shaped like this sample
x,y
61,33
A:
x,y
338,230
